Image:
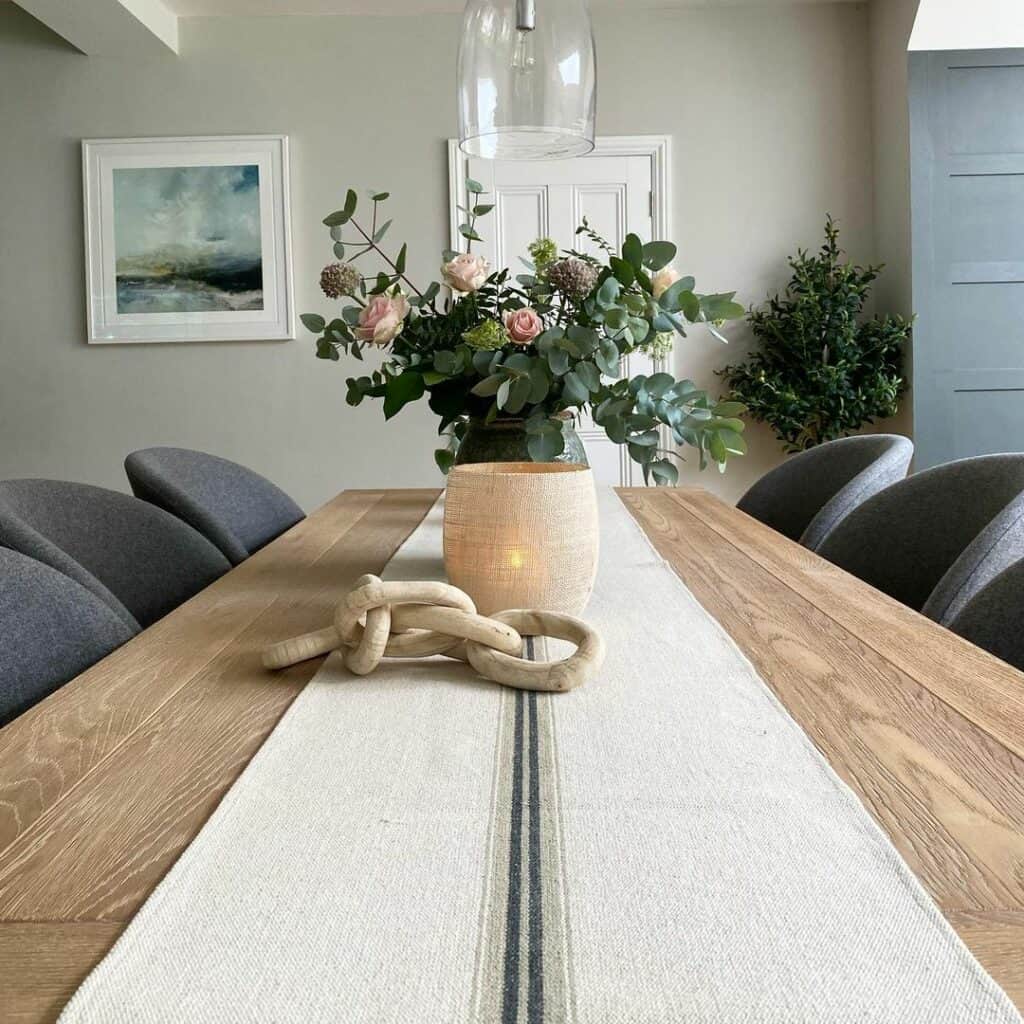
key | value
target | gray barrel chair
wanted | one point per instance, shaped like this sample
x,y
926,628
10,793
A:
x,y
932,540
812,492
52,629
993,616
233,507
137,559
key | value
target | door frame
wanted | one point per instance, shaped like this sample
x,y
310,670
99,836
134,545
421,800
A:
x,y
655,148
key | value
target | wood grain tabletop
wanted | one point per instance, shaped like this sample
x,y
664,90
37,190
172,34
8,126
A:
x,y
105,783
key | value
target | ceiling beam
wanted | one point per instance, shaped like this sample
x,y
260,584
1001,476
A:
x,y
109,28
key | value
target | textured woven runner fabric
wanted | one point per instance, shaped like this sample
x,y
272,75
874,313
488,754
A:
x,y
662,845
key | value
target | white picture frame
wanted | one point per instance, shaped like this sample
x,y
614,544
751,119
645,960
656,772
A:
x,y
160,291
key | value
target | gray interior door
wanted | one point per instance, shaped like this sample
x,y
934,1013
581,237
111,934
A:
x,y
967,182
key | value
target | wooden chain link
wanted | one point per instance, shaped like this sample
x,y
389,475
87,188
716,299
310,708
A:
x,y
418,619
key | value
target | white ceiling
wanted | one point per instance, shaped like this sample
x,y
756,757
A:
x,y
190,8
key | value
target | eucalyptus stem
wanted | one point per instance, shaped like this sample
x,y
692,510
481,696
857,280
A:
x,y
371,244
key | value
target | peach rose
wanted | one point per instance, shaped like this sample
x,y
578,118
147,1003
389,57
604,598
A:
x,y
381,320
523,325
663,280
466,272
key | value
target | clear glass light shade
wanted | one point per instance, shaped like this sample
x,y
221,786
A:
x,y
527,79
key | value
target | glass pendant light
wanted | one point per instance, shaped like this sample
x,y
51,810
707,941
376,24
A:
x,y
527,72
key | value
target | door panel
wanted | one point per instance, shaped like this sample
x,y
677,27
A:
x,y
536,198
967,185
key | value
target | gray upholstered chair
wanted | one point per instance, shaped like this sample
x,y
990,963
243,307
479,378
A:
x,y
994,616
139,560
52,628
932,539
233,507
812,492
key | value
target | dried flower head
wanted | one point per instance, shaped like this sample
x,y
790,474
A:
x,y
487,335
573,277
338,279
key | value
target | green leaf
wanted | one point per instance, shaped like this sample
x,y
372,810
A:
x,y
474,186
488,386
617,319
589,375
665,473
658,384
546,444
467,231
339,250
716,446
519,394
445,459
333,220
671,299
721,306
400,259
444,361
432,377
325,350
558,360
607,357
379,197
406,387
540,382
729,409
482,209
657,255
623,271
313,322
382,230
734,442
633,251
608,293
573,389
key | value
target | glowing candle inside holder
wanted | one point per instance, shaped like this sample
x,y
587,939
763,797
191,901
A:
x,y
522,535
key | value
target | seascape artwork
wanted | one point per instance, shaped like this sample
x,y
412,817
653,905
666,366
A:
x,y
187,239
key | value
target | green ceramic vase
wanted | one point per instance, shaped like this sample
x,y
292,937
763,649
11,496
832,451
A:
x,y
504,440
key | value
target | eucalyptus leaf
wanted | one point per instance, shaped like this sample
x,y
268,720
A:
x,y
573,389
657,255
546,445
474,186
313,322
633,251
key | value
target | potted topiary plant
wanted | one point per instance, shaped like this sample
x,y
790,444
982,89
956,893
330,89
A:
x,y
822,370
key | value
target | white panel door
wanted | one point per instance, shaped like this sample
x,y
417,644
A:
x,y
620,188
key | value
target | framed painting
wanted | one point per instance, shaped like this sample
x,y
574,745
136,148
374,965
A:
x,y
188,239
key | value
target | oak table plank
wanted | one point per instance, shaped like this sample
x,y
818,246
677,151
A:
x,y
104,784
919,646
42,963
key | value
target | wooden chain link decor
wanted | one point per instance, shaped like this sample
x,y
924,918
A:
x,y
380,619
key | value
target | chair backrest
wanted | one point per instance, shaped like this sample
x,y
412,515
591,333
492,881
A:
x,y
813,491
234,508
138,559
51,628
992,618
921,540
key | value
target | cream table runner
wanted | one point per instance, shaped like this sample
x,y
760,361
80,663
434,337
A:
x,y
662,845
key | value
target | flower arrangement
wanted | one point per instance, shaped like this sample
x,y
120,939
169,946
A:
x,y
527,347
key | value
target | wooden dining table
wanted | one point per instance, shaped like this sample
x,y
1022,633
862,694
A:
x,y
106,782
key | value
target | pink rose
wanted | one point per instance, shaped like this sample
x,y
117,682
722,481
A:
x,y
523,325
381,320
466,272
663,280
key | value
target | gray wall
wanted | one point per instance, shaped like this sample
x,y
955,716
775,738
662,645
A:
x,y
770,113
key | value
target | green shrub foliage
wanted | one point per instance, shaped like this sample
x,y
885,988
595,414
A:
x,y
822,370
